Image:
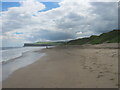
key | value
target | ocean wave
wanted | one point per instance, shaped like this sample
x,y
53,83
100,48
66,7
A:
x,y
11,54
25,58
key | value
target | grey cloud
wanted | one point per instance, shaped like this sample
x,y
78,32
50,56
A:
x,y
104,14
108,16
51,35
62,23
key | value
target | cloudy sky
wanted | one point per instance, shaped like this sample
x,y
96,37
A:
x,y
34,20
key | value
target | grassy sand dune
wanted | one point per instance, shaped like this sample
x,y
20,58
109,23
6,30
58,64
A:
x,y
71,67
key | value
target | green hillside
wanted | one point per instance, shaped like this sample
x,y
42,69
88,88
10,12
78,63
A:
x,y
110,37
50,43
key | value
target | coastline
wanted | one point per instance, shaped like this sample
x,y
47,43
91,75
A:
x,y
87,66
25,59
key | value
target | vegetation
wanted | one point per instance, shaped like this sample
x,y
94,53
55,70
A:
x,y
110,37
50,43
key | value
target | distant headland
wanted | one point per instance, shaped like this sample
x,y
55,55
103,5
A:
x,y
32,44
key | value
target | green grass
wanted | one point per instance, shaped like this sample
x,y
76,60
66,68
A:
x,y
50,43
110,37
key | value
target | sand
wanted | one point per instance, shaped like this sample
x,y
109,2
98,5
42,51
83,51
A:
x,y
70,67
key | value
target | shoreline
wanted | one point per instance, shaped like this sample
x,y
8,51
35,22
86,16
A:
x,y
12,65
69,67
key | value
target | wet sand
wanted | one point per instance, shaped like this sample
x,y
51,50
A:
x,y
85,66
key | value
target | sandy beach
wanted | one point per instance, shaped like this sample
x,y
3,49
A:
x,y
88,66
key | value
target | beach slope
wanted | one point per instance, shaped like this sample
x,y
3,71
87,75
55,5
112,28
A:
x,y
70,67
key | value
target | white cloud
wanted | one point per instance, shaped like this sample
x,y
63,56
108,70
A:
x,y
60,23
62,0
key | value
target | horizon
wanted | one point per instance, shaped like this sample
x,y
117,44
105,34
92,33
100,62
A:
x,y
58,41
32,21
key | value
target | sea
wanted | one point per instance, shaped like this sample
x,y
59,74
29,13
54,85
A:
x,y
9,53
14,58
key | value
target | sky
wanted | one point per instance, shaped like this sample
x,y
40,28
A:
x,y
31,21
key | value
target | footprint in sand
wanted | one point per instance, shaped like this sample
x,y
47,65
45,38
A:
x,y
111,65
84,67
114,54
100,72
99,76
91,69
107,71
112,79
